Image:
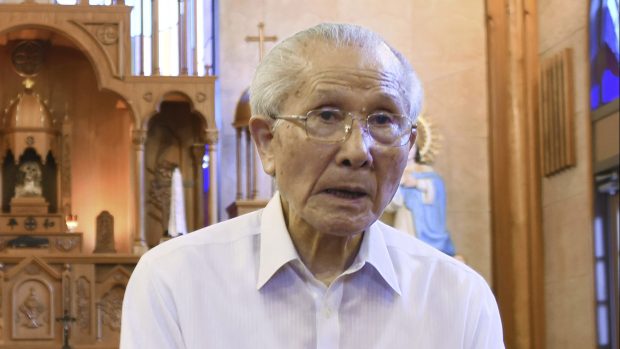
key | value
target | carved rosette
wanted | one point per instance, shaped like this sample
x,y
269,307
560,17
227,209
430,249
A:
x,y
66,244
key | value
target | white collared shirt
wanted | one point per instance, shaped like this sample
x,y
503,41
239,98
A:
x,y
241,284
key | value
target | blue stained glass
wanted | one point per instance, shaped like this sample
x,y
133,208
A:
x,y
610,90
595,92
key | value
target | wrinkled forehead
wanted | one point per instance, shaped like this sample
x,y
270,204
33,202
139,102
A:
x,y
335,69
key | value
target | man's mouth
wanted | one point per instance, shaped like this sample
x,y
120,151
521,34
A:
x,y
346,193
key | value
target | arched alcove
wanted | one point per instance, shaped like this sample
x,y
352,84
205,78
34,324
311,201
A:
x,y
95,127
175,139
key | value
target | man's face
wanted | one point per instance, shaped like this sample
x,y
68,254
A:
x,y
339,188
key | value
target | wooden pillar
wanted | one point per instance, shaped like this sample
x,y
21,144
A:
x,y
518,266
155,37
183,40
139,243
194,32
238,150
198,152
248,163
141,37
213,183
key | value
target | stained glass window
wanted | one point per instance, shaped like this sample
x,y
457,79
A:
x,y
604,52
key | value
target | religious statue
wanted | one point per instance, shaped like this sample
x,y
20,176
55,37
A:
x,y
28,180
420,202
176,221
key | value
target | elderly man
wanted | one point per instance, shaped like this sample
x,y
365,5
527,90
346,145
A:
x,y
334,113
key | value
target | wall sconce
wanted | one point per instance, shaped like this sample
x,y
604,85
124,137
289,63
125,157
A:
x,y
72,222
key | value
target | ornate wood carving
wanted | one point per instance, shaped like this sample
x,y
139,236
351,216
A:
x,y
82,286
105,233
111,305
33,310
108,38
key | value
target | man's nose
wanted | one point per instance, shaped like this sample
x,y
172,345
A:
x,y
355,150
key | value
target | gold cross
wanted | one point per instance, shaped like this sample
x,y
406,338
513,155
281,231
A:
x,y
261,38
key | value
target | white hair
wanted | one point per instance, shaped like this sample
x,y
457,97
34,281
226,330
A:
x,y
282,69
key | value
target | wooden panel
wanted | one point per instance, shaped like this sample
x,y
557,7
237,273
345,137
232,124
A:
x,y
556,109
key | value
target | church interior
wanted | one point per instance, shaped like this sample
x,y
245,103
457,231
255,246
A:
x,y
124,123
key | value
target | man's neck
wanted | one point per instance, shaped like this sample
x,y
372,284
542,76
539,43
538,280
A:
x,y
325,255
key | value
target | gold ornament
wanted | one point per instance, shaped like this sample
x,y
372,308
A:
x,y
427,141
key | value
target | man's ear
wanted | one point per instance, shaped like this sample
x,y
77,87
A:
x,y
261,130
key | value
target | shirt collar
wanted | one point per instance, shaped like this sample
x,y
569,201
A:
x,y
374,252
277,249
276,246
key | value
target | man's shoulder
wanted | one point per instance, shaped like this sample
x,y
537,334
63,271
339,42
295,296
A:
x,y
409,250
217,235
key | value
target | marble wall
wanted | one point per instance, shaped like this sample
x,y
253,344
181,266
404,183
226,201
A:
x,y
567,196
446,43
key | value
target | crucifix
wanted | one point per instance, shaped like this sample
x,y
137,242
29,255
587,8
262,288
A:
x,y
66,320
251,157
261,39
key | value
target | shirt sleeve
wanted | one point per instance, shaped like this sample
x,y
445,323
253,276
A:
x,y
487,325
149,316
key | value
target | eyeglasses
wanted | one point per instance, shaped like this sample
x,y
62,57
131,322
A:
x,y
330,125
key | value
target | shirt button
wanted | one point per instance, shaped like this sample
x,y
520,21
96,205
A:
x,y
327,312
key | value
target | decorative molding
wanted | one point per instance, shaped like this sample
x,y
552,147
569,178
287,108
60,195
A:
x,y
556,110
31,263
201,97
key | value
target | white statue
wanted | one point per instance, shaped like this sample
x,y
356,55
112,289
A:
x,y
29,180
176,222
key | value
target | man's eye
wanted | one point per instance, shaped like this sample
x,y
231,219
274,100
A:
x,y
382,119
328,116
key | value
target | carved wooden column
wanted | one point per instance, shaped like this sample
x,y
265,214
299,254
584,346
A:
x,y
238,151
213,183
155,37
249,152
198,152
139,243
65,170
183,36
517,243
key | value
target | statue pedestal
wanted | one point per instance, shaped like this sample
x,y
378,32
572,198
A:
x,y
32,205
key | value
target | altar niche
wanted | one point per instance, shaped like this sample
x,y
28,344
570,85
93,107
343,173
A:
x,y
174,140
29,177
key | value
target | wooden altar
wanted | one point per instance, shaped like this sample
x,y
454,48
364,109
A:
x,y
83,140
37,287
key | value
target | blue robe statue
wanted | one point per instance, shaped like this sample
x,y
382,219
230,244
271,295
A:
x,y
429,218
